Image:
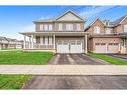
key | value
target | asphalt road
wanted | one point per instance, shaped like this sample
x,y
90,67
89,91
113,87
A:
x,y
77,82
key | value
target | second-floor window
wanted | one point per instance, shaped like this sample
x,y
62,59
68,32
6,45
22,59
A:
x,y
50,27
41,27
108,31
125,28
69,27
96,29
78,27
45,27
60,26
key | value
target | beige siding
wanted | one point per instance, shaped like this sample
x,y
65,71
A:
x,y
69,17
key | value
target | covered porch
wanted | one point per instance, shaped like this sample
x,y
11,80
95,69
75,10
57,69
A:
x,y
47,40
123,43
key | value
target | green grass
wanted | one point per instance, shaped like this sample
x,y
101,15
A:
x,y
109,59
24,58
13,81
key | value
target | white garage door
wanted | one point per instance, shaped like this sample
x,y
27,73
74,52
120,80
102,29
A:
x,y
113,48
100,48
62,47
75,47
69,47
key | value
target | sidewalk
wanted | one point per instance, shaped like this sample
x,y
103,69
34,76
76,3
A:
x,y
64,69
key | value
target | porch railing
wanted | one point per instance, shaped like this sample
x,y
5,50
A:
x,y
38,46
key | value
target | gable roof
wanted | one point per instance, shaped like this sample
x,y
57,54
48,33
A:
x,y
118,21
95,21
55,19
71,13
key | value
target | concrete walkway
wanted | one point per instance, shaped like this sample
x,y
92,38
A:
x,y
64,69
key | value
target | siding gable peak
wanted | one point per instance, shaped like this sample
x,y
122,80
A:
x,y
69,16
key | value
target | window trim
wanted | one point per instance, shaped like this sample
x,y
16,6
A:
x,y
69,27
125,28
60,26
78,27
97,29
41,27
50,27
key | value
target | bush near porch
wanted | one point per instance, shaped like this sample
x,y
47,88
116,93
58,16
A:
x,y
109,59
24,58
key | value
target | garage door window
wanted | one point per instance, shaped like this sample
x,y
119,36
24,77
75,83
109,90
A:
x,y
59,43
99,43
113,43
72,43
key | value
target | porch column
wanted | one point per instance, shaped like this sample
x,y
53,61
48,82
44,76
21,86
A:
x,y
54,42
24,44
32,43
29,42
86,44
119,47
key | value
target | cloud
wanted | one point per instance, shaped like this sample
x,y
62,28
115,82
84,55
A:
x,y
94,10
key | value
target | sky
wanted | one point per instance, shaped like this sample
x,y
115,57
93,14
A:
x,y
15,19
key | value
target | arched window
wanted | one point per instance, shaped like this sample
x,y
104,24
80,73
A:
x,y
96,29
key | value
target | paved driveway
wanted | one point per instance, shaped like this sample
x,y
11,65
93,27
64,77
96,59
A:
x,y
75,59
122,57
77,82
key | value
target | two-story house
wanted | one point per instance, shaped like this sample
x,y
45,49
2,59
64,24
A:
x,y
65,34
108,37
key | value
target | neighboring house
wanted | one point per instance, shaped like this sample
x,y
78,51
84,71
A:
x,y
65,34
108,37
19,44
8,43
3,43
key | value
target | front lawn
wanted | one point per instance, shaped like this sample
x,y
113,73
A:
x,y
24,58
109,59
13,81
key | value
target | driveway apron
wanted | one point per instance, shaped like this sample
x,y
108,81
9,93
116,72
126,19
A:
x,y
75,59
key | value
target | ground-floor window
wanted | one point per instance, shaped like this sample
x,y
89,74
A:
x,y
46,40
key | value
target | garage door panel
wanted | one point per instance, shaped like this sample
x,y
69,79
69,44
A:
x,y
113,48
62,47
76,47
100,48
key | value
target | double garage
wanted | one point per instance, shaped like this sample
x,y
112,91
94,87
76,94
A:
x,y
106,45
70,44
